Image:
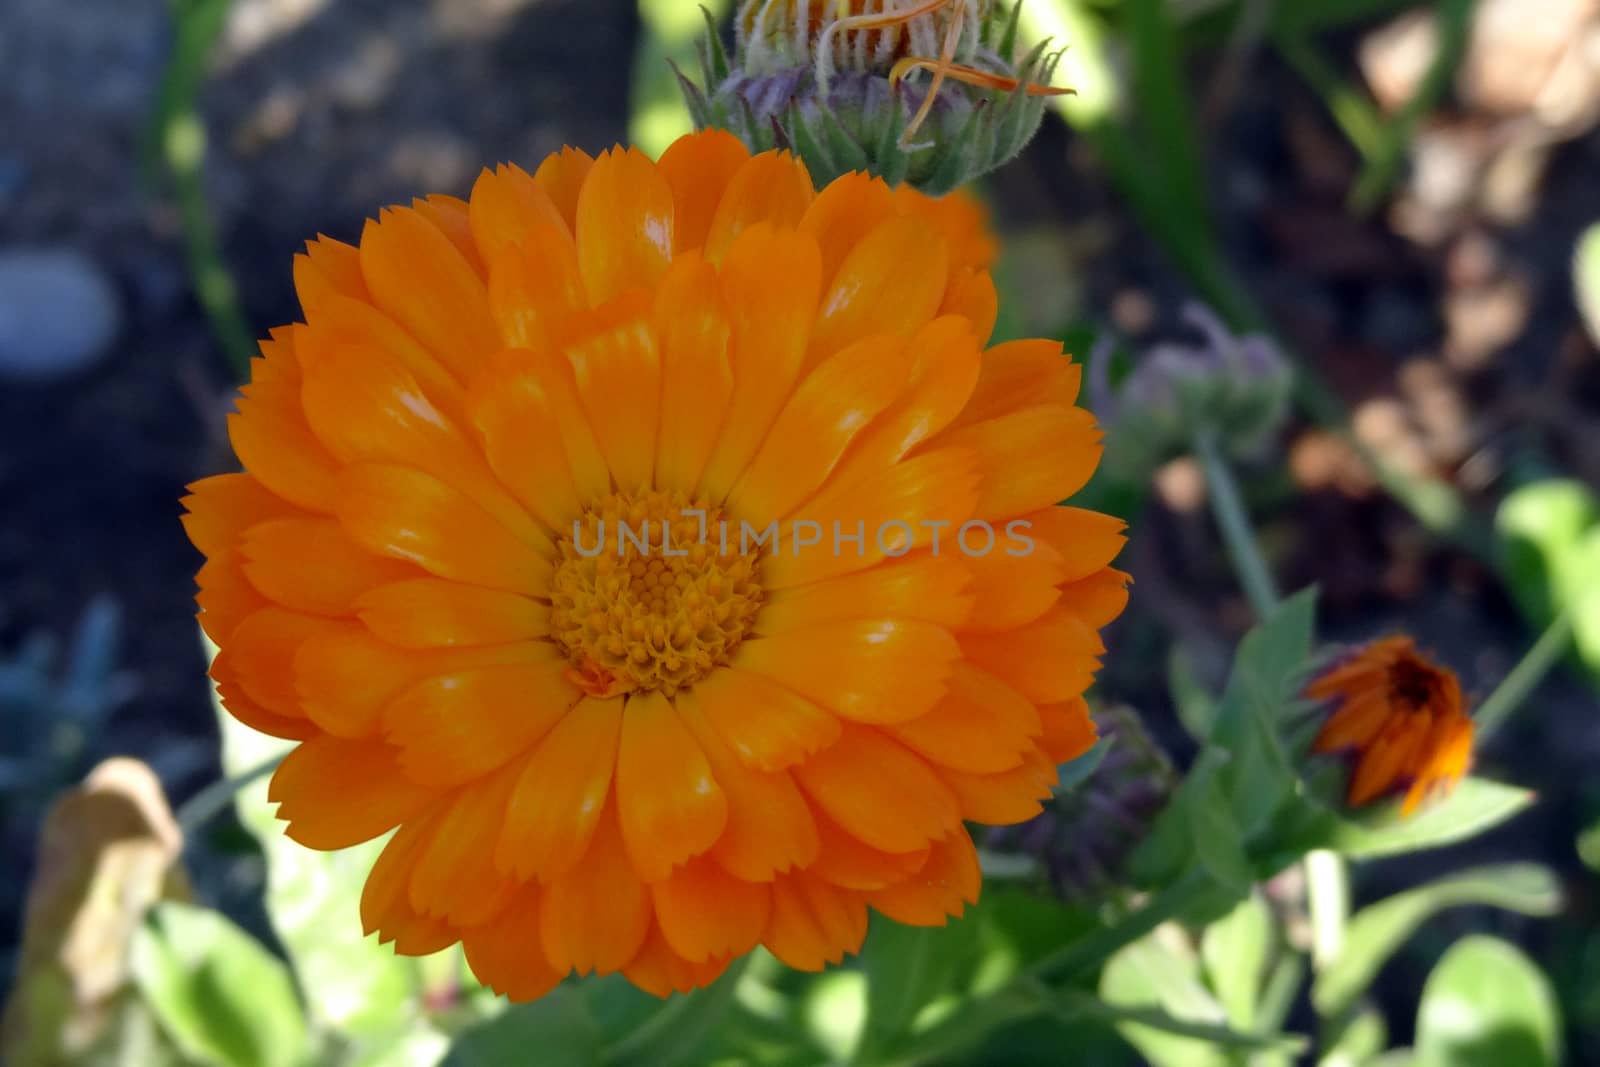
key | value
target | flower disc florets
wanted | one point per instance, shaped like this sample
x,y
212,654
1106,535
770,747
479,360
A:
x,y
921,91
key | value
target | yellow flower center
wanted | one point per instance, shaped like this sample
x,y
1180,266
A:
x,y
650,593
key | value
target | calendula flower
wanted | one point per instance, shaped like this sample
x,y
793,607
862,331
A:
x,y
925,91
491,564
1403,717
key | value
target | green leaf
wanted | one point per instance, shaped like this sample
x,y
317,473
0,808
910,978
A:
x,y
557,1030
1542,528
1487,1005
1476,805
1235,950
1360,1038
1263,687
1075,772
1196,827
220,996
907,967
1153,974
680,1028
1377,931
1586,279
363,989
1196,706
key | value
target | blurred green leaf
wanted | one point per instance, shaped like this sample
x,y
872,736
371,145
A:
x,y
678,1029
557,1030
669,30
1586,278
1377,931
1476,805
1196,827
907,967
1075,772
1487,1005
1196,706
220,996
1542,529
1358,1039
1154,974
1235,950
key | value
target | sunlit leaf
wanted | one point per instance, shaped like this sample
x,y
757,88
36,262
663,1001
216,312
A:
x,y
1487,1005
1376,931
1152,974
1235,950
219,995
1586,279
906,968
1476,805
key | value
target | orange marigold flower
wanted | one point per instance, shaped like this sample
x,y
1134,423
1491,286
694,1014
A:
x,y
599,754
1404,717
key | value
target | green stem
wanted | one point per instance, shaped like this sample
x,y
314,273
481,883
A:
x,y
1528,673
1328,900
1228,509
207,804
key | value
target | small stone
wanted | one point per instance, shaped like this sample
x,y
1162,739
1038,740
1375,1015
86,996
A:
x,y
59,313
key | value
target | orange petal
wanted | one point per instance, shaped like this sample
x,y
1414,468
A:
x,y
1005,797
1085,540
559,796
769,726
843,214
698,167
696,376
1030,458
311,565
508,206
981,725
1389,760
813,923
1069,731
507,953
947,882
1014,582
419,278
450,215
772,188
386,901
878,792
525,405
270,437
625,224
844,861
454,878
335,793
327,269
561,176
219,508
1019,375
226,597
290,727
343,325
668,803
770,284
430,612
455,727
972,296
961,216
1048,661
618,374
834,403
660,971
344,675
770,826
262,650
892,282
405,514
1097,599
919,586
891,512
705,913
595,917
874,671
536,289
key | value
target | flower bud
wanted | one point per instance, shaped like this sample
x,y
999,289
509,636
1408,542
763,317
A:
x,y
920,91
1234,388
1084,837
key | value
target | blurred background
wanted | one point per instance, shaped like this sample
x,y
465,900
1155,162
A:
x,y
1396,190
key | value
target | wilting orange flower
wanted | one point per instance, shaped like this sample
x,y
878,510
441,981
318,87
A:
x,y
1402,714
651,758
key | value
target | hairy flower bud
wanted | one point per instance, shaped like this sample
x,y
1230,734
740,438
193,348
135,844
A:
x,y
1085,835
920,91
